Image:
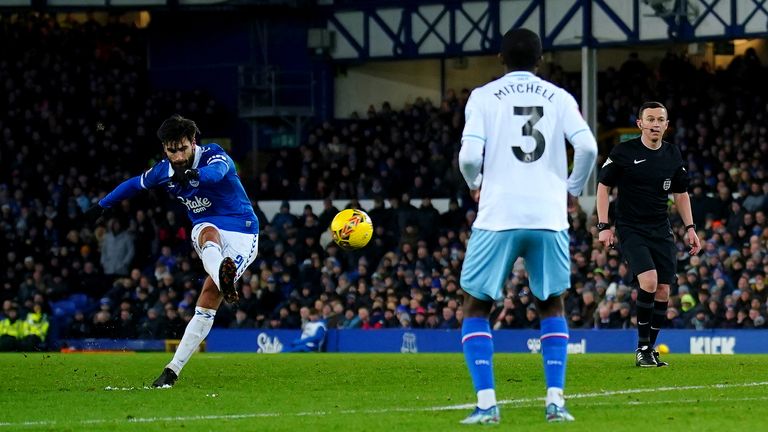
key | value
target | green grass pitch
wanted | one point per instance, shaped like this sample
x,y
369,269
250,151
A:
x,y
373,392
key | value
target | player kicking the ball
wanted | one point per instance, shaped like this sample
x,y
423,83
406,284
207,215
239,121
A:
x,y
225,230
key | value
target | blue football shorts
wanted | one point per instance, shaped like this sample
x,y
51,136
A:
x,y
491,254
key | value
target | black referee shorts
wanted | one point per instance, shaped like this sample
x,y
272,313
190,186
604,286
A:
x,y
649,249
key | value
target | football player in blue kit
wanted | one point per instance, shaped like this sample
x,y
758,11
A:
x,y
225,230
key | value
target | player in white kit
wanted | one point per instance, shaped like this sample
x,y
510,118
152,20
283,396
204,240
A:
x,y
513,158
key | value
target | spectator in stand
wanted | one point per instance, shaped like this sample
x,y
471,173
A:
x,y
117,250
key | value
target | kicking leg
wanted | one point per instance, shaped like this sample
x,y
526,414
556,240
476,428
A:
x,y
220,268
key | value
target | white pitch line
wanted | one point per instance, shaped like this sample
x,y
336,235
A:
x,y
517,403
656,402
605,393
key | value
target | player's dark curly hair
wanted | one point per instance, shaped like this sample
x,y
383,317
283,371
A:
x,y
521,49
176,128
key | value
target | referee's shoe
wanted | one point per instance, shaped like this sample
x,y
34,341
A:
x,y
644,357
659,362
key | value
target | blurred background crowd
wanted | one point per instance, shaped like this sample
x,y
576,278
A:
x,y
77,116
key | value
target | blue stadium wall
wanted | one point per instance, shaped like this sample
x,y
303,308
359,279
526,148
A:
x,y
516,341
449,341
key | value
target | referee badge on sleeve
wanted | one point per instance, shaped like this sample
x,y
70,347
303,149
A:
x,y
667,184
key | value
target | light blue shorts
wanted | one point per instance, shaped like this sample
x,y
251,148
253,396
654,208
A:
x,y
491,254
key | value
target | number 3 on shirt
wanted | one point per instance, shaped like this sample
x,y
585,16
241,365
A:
x,y
535,113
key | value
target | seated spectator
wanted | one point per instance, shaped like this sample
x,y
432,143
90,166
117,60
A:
x,y
604,320
448,321
674,321
151,327
531,318
79,328
125,327
242,321
622,318
700,320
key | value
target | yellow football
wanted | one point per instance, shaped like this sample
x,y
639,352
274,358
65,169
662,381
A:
x,y
352,229
662,349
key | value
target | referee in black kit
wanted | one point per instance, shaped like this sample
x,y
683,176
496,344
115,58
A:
x,y
646,170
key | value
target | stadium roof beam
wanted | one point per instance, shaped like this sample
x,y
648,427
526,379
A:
x,y
367,30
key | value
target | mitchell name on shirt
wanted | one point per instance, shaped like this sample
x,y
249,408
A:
x,y
525,88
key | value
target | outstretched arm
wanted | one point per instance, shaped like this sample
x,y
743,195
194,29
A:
x,y
124,190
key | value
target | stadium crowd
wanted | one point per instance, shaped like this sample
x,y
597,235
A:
x,y
77,116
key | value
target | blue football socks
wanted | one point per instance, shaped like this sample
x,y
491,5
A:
x,y
477,341
554,350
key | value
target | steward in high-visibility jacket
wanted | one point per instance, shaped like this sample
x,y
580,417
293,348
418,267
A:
x,y
35,329
11,331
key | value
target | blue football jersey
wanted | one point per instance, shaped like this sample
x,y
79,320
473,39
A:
x,y
218,197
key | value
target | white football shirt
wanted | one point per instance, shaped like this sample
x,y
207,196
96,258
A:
x,y
515,133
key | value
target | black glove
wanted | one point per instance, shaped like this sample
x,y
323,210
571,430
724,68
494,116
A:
x,y
186,176
94,214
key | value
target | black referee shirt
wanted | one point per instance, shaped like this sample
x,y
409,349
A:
x,y
645,179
